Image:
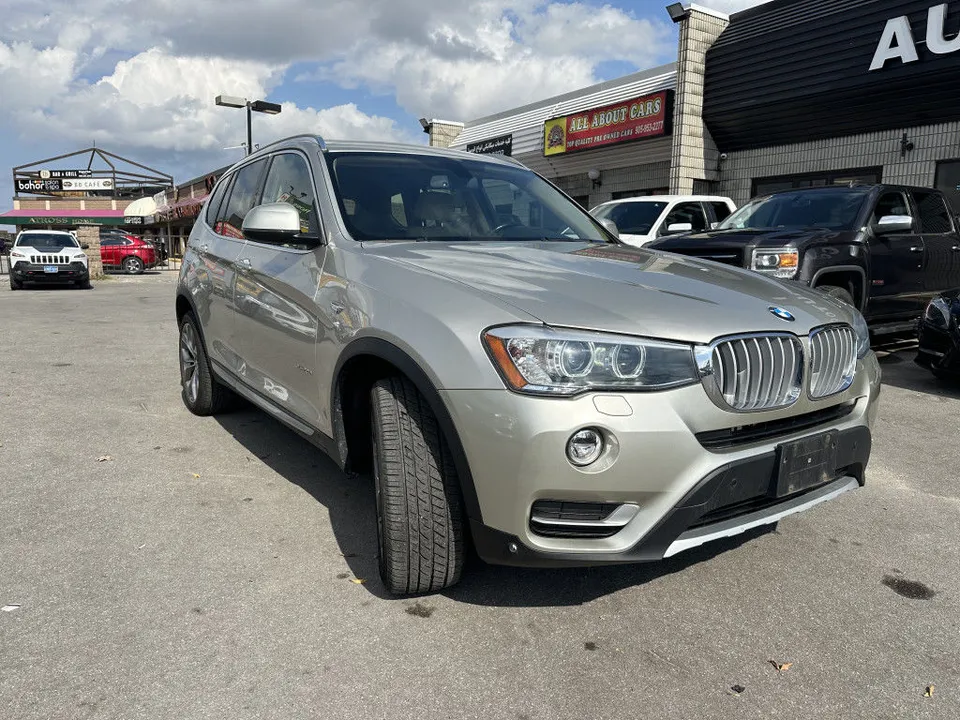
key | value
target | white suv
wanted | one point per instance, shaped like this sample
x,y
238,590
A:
x,y
48,257
641,220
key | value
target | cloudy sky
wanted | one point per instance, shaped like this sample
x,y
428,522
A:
x,y
139,79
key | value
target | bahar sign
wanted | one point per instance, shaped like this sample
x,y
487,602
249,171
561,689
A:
x,y
636,119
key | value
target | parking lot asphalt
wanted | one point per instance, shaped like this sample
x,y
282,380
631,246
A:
x,y
209,568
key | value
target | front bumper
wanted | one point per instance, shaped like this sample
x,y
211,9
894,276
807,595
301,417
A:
x,y
66,274
690,471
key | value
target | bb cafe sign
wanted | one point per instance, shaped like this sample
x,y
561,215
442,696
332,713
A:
x,y
636,119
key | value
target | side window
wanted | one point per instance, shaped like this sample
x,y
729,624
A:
x,y
934,216
289,182
687,213
891,203
107,242
213,204
721,210
243,196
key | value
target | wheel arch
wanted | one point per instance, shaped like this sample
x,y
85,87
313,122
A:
x,y
850,277
362,363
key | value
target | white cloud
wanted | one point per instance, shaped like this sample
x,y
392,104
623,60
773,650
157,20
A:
x,y
731,6
30,76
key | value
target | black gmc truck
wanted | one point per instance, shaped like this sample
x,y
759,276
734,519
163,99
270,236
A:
x,y
887,249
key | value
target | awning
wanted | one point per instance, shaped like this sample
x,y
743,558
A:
x,y
62,217
140,212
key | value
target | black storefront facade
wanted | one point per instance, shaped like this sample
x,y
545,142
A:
x,y
791,93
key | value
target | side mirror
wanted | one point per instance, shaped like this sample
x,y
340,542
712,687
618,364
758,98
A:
x,y
84,246
611,227
890,224
674,228
272,223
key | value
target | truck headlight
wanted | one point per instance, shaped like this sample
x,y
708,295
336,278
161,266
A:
x,y
778,262
546,361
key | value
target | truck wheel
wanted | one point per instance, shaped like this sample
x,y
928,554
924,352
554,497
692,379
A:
x,y
201,392
15,285
418,501
837,293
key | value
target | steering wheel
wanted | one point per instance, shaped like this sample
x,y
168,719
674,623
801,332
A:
x,y
510,224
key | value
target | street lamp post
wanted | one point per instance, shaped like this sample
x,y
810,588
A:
x,y
252,106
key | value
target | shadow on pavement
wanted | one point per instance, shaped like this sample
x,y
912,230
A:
x,y
900,370
350,501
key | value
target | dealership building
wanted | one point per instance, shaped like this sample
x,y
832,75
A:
x,y
789,94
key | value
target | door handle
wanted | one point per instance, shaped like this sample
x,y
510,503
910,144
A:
x,y
956,248
917,249
203,248
245,263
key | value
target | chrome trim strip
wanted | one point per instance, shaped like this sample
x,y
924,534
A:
x,y
735,526
618,518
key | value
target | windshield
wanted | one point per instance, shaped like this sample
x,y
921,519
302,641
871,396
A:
x,y
631,218
47,241
833,209
422,197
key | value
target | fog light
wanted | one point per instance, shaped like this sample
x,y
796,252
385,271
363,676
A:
x,y
584,447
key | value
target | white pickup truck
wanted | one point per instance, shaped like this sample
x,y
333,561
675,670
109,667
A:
x,y
641,220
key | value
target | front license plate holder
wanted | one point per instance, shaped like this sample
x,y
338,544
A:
x,y
806,463
50,269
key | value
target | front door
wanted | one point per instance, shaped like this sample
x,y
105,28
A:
x,y
896,263
941,242
275,294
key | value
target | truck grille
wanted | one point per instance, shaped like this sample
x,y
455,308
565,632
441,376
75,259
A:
x,y
49,259
726,256
833,360
756,372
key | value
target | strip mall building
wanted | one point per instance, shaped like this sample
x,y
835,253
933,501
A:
x,y
791,93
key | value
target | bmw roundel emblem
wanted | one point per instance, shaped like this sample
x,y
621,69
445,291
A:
x,y
782,314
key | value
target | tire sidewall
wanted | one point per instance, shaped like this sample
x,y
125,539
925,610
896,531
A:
x,y
133,265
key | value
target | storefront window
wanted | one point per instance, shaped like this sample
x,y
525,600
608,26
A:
x,y
767,185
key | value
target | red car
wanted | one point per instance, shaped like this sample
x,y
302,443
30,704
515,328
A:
x,y
129,253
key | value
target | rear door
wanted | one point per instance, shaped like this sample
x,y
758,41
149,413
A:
x,y
276,292
941,270
218,248
896,262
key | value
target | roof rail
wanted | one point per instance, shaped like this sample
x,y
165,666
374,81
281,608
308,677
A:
x,y
319,140
322,143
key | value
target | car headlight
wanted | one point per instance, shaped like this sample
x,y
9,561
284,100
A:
x,y
544,361
778,262
937,313
863,333
15,254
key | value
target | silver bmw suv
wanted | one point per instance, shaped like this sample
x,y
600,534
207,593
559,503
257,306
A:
x,y
508,372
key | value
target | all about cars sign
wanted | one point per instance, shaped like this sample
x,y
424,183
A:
x,y
637,119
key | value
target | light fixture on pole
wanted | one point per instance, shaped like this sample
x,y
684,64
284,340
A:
x,y
678,12
595,180
252,106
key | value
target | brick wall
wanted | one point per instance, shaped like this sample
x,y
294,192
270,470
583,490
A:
x,y
90,235
694,156
442,134
651,176
918,167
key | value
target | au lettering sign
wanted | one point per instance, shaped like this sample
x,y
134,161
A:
x,y
897,41
636,119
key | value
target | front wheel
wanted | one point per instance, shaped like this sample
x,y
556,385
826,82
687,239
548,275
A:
x,y
14,284
132,265
837,293
418,501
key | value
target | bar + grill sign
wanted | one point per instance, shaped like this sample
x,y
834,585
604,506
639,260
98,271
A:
x,y
636,119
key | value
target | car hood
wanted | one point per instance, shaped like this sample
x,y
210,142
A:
x,y
775,237
48,251
617,288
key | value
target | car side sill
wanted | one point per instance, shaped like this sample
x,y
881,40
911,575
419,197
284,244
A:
x,y
283,416
735,526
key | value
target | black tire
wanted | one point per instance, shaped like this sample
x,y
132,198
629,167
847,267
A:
x,y
14,284
199,389
132,265
837,293
418,500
